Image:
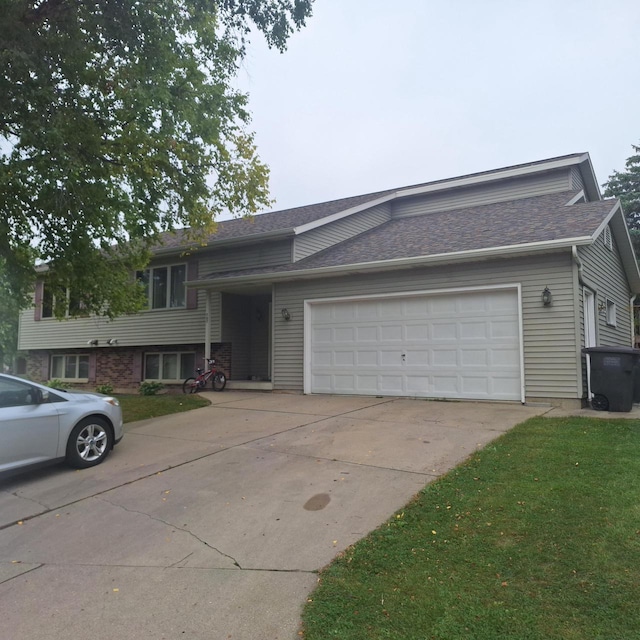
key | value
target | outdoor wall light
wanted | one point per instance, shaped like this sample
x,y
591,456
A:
x,y
285,314
112,341
547,298
92,343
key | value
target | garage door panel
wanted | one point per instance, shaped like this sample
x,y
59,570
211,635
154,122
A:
x,y
444,332
463,345
344,334
322,358
442,306
367,358
391,332
473,331
416,358
391,385
367,311
474,357
507,328
322,336
417,332
366,334
504,357
367,384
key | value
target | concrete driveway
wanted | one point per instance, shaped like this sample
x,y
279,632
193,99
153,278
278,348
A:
x,y
213,524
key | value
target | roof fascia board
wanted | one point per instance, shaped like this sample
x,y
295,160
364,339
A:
x,y
398,263
589,178
343,214
579,196
623,241
500,174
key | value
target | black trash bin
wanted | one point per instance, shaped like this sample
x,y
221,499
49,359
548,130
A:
x,y
615,377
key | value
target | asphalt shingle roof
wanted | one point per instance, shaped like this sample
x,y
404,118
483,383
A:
x,y
517,222
298,216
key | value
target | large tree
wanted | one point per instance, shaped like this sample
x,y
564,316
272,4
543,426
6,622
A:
x,y
118,121
626,186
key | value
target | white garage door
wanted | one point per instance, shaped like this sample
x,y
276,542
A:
x,y
455,345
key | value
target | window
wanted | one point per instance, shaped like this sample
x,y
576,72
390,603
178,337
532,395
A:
x,y
74,304
165,286
611,313
606,238
47,302
70,367
169,366
16,394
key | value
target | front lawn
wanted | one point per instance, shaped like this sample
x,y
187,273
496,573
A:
x,y
143,407
536,537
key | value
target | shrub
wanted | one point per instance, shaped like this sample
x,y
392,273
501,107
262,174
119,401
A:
x,y
57,384
106,388
150,388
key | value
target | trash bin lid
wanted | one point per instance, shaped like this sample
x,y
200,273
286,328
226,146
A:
x,y
613,349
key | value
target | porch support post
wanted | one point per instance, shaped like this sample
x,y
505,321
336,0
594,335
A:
x,y
207,324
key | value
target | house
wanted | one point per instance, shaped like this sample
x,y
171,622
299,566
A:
x,y
484,286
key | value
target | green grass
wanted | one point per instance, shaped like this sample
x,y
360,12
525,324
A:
x,y
143,407
535,537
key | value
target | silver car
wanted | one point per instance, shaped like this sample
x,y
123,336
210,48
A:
x,y
38,424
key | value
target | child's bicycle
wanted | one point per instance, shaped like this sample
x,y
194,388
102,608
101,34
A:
x,y
218,379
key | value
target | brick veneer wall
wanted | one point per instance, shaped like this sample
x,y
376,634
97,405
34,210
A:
x,y
117,365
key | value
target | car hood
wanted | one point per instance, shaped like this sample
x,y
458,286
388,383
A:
x,y
79,396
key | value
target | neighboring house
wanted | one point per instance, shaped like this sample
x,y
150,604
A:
x,y
485,286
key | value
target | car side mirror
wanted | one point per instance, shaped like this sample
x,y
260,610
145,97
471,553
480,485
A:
x,y
42,396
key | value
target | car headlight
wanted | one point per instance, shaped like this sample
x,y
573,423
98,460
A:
x,y
113,401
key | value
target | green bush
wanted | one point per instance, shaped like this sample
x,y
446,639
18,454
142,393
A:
x,y
150,388
57,384
106,388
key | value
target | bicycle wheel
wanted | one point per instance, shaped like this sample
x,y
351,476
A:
x,y
190,385
219,381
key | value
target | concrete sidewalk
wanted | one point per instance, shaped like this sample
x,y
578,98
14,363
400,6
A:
x,y
214,523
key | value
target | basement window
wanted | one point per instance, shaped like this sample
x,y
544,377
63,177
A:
x,y
169,367
70,367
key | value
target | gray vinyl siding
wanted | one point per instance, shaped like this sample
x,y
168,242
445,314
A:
x,y
327,235
551,364
505,190
262,254
157,327
577,184
603,272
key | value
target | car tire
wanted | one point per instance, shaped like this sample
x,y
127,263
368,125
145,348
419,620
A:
x,y
89,443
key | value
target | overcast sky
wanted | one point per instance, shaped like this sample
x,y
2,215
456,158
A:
x,y
373,95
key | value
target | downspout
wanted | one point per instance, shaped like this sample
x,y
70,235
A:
x,y
207,324
576,259
632,299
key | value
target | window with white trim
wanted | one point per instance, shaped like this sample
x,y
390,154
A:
x,y
611,312
69,367
164,286
170,367
74,306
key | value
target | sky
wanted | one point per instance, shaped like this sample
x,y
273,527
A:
x,y
375,95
